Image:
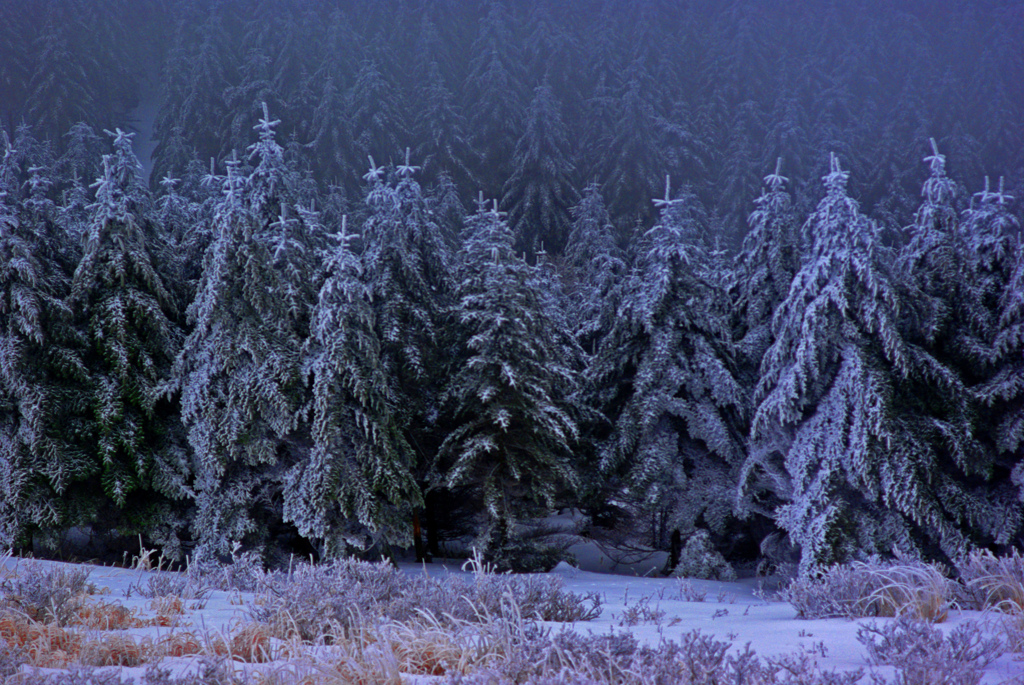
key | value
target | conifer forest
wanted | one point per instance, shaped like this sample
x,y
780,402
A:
x,y
349,278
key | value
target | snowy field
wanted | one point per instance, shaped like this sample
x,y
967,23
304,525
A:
x,y
650,608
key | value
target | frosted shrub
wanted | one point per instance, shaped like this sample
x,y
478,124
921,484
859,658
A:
x,y
572,659
11,659
699,559
991,581
314,601
161,584
212,671
924,656
245,572
873,588
46,594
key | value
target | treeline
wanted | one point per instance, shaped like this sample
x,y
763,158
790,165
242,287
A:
x,y
235,361
530,102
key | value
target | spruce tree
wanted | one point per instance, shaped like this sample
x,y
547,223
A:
x,y
861,439
493,91
595,263
43,389
357,486
127,312
764,271
666,376
539,192
408,278
239,372
510,398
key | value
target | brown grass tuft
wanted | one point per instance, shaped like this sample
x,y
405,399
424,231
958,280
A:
x,y
178,645
114,650
106,617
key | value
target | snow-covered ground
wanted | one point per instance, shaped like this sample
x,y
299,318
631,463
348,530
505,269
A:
x,y
651,608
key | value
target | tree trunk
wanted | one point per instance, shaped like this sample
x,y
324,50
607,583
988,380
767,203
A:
x,y
417,538
433,539
675,550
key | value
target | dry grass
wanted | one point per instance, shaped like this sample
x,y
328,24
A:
x,y
114,649
991,582
105,616
862,589
178,644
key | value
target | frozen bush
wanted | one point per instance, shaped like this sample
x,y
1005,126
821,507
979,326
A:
x,y
568,658
245,573
699,559
988,581
164,584
48,594
924,656
872,588
312,601
11,659
212,671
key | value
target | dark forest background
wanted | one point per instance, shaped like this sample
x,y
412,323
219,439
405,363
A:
x,y
742,272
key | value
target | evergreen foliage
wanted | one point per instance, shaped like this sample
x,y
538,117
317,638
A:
x,y
592,254
859,435
510,397
42,378
539,192
126,310
858,386
239,372
667,378
357,483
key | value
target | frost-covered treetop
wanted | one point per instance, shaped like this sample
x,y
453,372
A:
x,y
775,180
837,226
405,170
939,188
270,169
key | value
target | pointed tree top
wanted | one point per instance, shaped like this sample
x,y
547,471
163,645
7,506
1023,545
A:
x,y
835,180
119,136
168,183
481,203
266,124
936,161
406,170
8,149
375,172
668,201
1000,197
776,180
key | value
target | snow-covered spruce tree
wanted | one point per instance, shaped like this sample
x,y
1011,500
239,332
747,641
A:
x,y
124,307
763,272
239,372
665,375
861,441
408,279
357,485
994,237
493,92
539,192
1010,429
595,264
445,147
963,270
511,396
43,382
